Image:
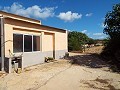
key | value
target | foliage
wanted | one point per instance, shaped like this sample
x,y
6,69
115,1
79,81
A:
x,y
106,41
112,22
91,41
76,40
112,29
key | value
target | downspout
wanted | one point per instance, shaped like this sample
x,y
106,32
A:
x,y
2,43
67,32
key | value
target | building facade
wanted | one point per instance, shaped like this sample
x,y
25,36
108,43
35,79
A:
x,y
28,38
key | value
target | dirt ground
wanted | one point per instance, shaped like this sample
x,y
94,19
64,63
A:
x,y
96,49
78,72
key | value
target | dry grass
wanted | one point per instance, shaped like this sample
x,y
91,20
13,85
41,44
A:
x,y
96,49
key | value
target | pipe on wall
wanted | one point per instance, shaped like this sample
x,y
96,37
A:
x,y
2,42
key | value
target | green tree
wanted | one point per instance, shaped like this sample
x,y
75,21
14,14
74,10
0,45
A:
x,y
76,40
112,29
112,22
106,41
91,41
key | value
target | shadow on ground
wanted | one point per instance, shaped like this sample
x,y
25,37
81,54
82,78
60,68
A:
x,y
89,60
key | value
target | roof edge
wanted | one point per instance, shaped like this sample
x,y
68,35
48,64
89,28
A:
x,y
19,17
53,27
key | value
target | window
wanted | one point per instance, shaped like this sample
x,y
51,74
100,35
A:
x,y
17,43
27,43
30,43
36,43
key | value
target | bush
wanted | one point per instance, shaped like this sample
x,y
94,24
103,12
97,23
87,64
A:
x,y
111,53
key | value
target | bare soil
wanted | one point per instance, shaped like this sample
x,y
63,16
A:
x,y
79,72
96,49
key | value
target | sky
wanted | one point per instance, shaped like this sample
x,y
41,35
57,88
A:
x,y
86,16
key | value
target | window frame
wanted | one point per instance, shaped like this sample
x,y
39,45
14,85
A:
x,y
32,42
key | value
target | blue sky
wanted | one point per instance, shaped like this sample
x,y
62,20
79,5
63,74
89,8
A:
x,y
86,16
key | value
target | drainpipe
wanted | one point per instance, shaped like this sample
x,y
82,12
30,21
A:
x,y
2,43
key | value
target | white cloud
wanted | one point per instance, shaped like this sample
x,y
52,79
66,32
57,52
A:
x,y
97,34
84,31
101,37
33,11
69,16
88,33
89,14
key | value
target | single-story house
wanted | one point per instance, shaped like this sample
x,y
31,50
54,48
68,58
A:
x,y
29,39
